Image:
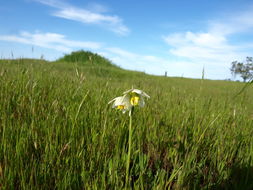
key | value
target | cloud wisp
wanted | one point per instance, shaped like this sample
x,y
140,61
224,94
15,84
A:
x,y
214,48
236,22
88,16
50,40
202,47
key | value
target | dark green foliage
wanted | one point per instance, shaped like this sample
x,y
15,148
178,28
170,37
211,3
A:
x,y
245,70
86,58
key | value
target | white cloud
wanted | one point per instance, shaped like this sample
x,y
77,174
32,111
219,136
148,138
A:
x,y
49,40
91,15
236,22
199,47
202,47
198,39
214,48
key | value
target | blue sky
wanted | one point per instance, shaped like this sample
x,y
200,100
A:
x,y
180,37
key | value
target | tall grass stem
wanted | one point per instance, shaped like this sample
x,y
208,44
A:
x,y
129,147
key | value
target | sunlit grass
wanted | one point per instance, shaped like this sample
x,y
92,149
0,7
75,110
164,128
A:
x,y
58,131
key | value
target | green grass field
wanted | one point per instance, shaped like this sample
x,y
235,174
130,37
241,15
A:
x,y
57,130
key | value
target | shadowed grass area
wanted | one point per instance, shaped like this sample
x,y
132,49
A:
x,y
58,131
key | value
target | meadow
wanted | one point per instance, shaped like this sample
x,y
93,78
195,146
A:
x,y
57,130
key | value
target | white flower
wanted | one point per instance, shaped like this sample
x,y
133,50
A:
x,y
131,98
122,103
136,97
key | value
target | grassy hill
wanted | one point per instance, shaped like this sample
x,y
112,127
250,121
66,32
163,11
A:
x,y
86,58
57,130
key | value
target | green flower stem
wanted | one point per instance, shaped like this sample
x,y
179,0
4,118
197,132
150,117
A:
x,y
129,147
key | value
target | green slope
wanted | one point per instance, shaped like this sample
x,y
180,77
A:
x,y
86,58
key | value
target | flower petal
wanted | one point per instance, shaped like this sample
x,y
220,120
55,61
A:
x,y
128,91
137,91
141,102
145,95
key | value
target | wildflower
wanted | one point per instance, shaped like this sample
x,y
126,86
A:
x,y
122,103
136,97
131,98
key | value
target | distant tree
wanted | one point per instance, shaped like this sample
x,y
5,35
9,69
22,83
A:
x,y
245,70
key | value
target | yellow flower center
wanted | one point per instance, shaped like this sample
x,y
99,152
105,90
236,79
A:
x,y
134,100
120,107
